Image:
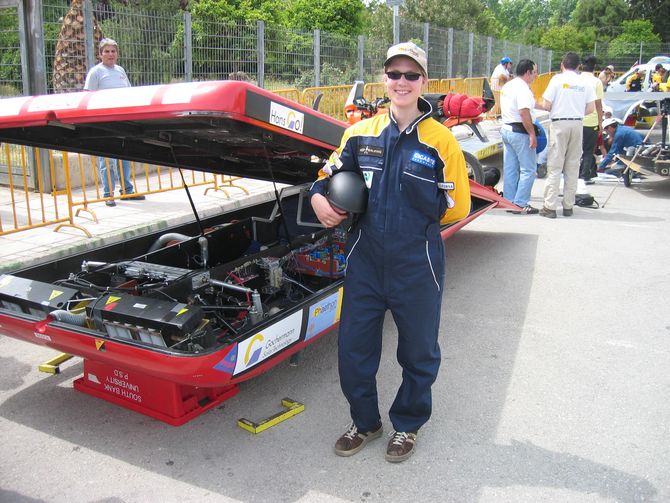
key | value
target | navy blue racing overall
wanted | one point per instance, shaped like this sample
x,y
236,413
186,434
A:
x,y
417,180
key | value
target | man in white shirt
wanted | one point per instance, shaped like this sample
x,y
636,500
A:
x,y
518,135
108,75
568,98
501,74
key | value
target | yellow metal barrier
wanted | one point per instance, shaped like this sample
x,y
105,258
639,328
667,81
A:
x,y
18,205
291,94
374,90
333,100
494,113
452,85
540,84
434,86
474,86
75,188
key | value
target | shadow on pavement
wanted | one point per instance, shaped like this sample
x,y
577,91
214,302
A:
x,y
488,287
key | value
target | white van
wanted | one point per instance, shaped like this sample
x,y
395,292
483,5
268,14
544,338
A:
x,y
619,84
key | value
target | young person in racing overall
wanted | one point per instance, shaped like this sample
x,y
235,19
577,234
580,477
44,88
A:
x,y
416,177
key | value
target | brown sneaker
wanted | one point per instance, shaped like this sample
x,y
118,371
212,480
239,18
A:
x,y
546,212
353,440
401,446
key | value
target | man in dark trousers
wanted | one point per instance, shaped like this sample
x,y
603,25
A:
x,y
416,177
591,123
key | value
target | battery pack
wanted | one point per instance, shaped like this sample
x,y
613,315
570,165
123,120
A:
x,y
152,321
34,297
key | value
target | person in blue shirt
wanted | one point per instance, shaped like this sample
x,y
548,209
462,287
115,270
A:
x,y
623,137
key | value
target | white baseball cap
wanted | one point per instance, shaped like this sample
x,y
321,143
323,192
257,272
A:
x,y
409,50
610,122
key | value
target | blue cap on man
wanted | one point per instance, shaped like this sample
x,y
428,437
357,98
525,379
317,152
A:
x,y
505,60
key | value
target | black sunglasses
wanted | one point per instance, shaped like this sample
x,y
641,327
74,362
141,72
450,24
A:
x,y
411,76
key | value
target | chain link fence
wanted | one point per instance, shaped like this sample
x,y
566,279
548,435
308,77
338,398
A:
x,y
625,55
159,48
11,83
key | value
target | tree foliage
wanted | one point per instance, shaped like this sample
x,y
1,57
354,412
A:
x,y
567,38
222,11
465,15
335,16
10,58
656,11
519,16
635,32
377,21
605,16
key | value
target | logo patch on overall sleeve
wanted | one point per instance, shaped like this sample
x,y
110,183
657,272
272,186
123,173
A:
x,y
445,185
423,159
371,150
334,163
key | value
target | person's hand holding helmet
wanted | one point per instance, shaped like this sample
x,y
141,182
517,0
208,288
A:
x,y
327,214
347,193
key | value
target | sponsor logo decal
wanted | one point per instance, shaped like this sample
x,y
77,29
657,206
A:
x,y
253,352
271,341
324,314
370,150
227,365
286,118
574,88
423,159
446,185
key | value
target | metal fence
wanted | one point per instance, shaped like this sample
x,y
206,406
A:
x,y
623,56
159,48
10,55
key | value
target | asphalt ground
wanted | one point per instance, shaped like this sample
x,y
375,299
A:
x,y
554,387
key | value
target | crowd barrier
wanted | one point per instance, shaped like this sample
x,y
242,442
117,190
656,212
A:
x,y
75,187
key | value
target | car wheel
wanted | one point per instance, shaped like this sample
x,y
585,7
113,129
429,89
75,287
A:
x,y
474,167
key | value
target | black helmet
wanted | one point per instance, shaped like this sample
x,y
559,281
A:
x,y
347,191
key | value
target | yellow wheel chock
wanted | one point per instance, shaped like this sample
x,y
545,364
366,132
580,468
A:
x,y
53,366
292,408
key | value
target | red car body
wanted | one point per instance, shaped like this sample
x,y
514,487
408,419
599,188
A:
x,y
225,127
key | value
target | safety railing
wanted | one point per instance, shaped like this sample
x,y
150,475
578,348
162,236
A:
x,y
76,186
332,99
540,84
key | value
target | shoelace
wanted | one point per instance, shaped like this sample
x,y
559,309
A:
x,y
351,432
399,438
